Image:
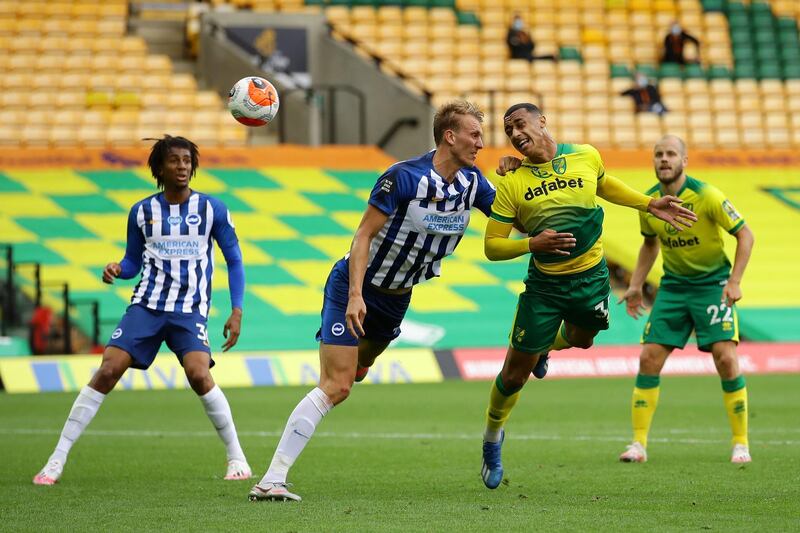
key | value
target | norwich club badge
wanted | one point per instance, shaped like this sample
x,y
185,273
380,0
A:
x,y
559,165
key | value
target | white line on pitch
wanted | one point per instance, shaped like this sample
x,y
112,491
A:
x,y
379,436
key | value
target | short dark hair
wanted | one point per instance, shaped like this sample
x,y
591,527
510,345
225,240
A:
x,y
530,108
160,151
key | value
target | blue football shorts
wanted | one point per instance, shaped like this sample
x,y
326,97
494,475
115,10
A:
x,y
385,312
141,332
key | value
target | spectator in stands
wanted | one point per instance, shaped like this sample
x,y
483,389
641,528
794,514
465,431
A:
x,y
520,43
646,96
675,45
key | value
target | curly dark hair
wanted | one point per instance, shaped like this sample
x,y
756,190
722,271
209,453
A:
x,y
160,151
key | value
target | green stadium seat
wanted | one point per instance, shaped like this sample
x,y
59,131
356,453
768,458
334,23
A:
x,y
443,3
787,23
760,7
763,21
744,71
670,70
767,54
620,71
717,72
713,5
569,53
770,70
744,53
648,70
694,71
736,8
416,3
791,71
467,18
741,37
738,22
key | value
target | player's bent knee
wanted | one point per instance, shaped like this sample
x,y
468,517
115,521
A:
x,y
339,394
583,343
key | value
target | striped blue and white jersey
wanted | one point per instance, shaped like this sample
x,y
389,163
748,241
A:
x,y
173,244
427,219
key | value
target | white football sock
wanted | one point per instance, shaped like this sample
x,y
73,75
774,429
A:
x,y
83,410
219,412
299,429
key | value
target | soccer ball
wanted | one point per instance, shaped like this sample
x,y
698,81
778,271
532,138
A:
x,y
253,101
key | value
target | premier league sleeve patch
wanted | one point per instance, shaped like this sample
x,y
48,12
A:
x,y
731,211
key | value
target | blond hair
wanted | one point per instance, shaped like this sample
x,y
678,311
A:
x,y
447,117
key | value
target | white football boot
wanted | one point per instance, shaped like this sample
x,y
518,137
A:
x,y
238,470
741,454
634,453
272,492
50,473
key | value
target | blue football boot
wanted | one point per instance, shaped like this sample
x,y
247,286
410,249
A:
x,y
492,469
540,370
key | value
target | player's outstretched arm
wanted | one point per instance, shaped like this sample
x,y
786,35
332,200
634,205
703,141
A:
x,y
372,221
667,209
745,239
499,247
633,296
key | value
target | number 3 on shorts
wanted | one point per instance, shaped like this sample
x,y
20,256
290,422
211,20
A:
x,y
203,334
602,309
719,313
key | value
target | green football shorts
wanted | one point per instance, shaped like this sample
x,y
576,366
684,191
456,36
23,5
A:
x,y
676,312
580,299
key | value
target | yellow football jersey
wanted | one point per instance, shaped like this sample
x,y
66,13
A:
x,y
558,195
695,255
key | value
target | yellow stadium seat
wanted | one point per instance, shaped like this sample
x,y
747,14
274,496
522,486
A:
x,y
776,121
390,14
674,121
719,87
63,135
625,137
415,14
771,87
121,135
774,103
792,88
110,28
337,14
35,135
753,137
750,120
726,120
132,45
74,81
83,45
67,117
728,138
544,85
698,102
699,119
702,138
442,48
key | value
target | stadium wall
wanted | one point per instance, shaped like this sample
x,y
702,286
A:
x,y
411,365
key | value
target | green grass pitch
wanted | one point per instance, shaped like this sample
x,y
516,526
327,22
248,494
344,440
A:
x,y
407,458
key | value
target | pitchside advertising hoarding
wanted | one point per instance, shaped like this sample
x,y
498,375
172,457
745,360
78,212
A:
x,y
609,361
70,373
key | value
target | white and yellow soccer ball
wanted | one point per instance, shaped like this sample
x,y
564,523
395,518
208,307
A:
x,y
253,101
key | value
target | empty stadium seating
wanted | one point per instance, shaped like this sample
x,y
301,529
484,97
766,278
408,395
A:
x,y
101,85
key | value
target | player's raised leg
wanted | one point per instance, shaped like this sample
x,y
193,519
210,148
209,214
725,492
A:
x,y
337,373
735,397
502,399
368,351
115,362
196,365
645,400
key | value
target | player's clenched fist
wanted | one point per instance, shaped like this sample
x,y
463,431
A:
x,y
551,242
110,272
